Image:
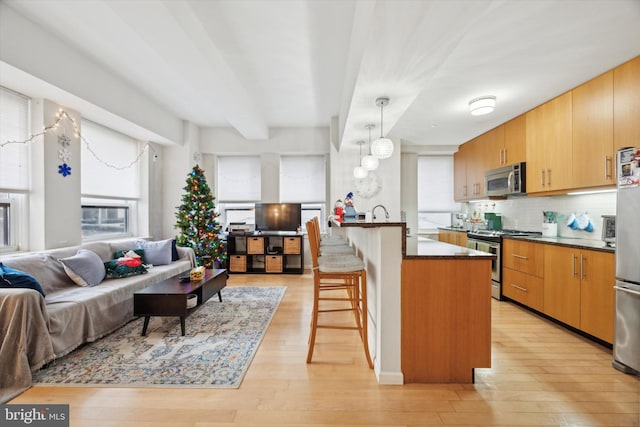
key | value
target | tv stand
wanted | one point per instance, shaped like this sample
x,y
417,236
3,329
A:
x,y
279,252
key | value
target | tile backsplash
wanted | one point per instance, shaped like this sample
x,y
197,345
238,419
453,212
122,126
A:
x,y
525,213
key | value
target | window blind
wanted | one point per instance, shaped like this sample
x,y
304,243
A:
x,y
14,126
435,184
239,179
302,179
110,148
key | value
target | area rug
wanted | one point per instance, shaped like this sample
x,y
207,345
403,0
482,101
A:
x,y
216,351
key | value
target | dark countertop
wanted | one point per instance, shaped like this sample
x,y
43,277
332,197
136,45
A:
x,y
595,245
433,249
424,248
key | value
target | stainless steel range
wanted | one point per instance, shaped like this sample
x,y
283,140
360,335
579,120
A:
x,y
491,241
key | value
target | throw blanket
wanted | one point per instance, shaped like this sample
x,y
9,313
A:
x,y
24,339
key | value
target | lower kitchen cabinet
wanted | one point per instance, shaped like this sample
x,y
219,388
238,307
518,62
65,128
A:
x,y
578,289
458,238
524,288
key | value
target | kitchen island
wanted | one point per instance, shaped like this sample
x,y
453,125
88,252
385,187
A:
x,y
429,304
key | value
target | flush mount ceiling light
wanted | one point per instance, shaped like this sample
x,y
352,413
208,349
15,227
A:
x,y
370,162
482,105
382,147
360,172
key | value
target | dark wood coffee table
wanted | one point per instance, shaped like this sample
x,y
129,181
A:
x,y
169,297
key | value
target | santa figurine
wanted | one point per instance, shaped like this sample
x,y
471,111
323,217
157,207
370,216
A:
x,y
349,210
338,211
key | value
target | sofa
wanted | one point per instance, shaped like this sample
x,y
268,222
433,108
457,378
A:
x,y
34,330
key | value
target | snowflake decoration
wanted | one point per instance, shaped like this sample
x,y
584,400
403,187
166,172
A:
x,y
64,155
64,140
64,169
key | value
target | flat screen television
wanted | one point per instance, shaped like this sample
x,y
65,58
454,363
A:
x,y
278,216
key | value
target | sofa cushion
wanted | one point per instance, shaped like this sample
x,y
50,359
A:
x,y
122,267
158,252
85,268
47,270
12,278
138,251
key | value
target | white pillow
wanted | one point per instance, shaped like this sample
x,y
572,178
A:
x,y
85,268
156,253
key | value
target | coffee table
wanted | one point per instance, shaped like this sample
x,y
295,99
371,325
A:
x,y
169,297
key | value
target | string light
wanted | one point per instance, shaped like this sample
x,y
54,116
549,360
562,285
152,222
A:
x,y
61,114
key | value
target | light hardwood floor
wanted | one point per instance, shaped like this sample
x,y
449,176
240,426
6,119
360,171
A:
x,y
542,375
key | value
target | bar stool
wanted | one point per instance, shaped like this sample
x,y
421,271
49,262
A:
x,y
334,273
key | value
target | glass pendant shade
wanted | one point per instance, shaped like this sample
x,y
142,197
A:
x,y
382,148
370,162
360,172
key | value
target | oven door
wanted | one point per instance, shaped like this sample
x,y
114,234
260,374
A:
x,y
494,249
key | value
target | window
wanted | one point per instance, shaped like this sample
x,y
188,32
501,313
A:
x,y
4,223
110,182
239,187
303,180
435,192
14,169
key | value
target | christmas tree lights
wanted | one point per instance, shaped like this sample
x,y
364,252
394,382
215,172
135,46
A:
x,y
197,221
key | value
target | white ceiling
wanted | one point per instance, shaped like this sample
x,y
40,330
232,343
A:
x,y
257,64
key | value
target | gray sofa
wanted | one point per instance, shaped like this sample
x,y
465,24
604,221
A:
x,y
36,330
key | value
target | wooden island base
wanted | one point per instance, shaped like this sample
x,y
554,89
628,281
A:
x,y
446,319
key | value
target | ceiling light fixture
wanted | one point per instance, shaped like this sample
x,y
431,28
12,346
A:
x,y
482,105
382,147
370,162
359,172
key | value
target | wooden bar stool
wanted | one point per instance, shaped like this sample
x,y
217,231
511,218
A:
x,y
334,273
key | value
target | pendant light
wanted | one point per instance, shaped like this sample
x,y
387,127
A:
x,y
370,162
382,147
359,172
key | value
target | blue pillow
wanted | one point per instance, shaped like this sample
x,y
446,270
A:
x,y
85,268
12,278
156,253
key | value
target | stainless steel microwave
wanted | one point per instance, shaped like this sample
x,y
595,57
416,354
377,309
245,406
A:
x,y
506,181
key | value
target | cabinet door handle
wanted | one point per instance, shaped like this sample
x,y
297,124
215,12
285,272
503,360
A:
x,y
573,265
505,156
520,288
500,161
542,178
464,190
607,167
582,261
519,256
549,177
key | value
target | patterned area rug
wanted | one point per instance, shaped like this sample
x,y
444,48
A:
x,y
220,342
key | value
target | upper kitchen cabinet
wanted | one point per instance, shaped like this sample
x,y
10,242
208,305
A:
x,y
592,121
469,164
626,104
505,145
549,146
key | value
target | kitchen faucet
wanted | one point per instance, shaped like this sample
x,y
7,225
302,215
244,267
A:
x,y
386,214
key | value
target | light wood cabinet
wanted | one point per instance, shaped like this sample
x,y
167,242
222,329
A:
x,y
592,123
549,146
597,296
505,145
562,284
523,256
460,189
475,166
626,104
578,289
524,288
458,238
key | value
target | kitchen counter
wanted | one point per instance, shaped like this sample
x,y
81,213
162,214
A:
x,y
416,247
420,291
596,245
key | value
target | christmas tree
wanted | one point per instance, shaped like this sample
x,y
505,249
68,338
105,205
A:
x,y
197,222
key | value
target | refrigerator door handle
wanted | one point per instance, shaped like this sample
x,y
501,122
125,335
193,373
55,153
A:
x,y
619,288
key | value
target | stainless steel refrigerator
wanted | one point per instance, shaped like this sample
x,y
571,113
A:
x,y
626,346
